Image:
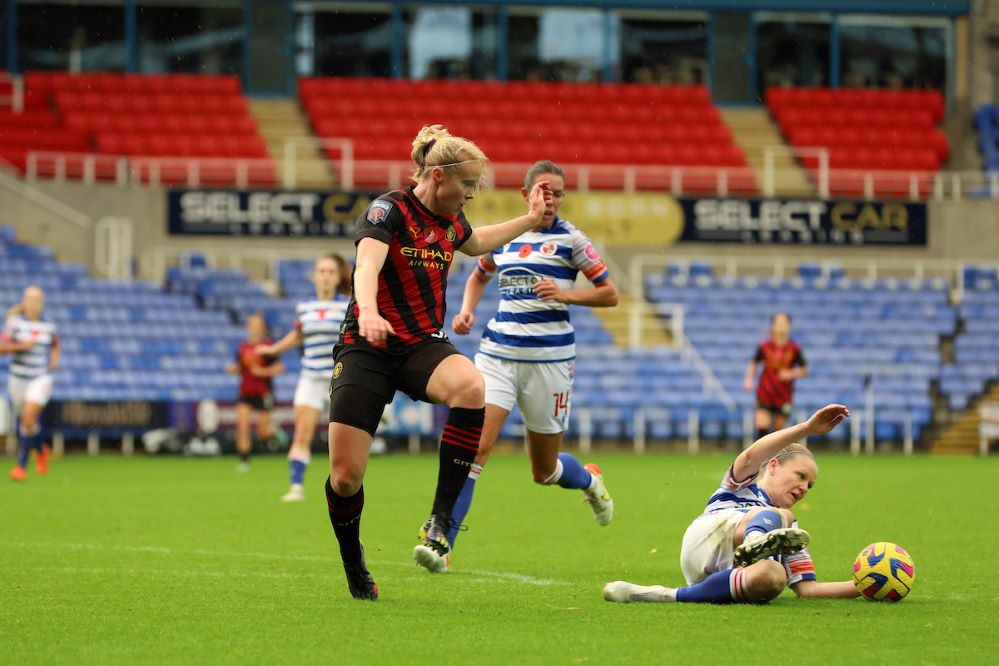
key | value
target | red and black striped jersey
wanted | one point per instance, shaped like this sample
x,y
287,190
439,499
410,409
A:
x,y
413,281
772,391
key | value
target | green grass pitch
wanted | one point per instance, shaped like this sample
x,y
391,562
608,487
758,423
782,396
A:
x,y
171,560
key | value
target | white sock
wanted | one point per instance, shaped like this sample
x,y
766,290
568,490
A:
x,y
556,475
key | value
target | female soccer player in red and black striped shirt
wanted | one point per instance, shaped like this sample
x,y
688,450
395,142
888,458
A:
x,y
783,362
392,337
256,392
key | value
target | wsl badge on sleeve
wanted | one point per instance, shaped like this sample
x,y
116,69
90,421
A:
x,y
378,210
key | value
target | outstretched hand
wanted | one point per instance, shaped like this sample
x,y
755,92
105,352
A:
x,y
539,200
826,419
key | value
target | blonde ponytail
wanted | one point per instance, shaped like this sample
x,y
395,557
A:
x,y
434,146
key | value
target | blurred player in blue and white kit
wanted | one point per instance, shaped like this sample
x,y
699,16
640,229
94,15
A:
x,y
527,354
316,330
33,341
746,547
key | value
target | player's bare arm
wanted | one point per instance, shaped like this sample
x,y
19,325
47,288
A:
x,y
371,254
821,422
602,295
825,590
54,357
290,341
272,370
488,238
475,286
747,382
15,347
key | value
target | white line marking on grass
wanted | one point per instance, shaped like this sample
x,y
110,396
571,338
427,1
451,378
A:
x,y
468,575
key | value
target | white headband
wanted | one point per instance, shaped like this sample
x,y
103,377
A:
x,y
792,452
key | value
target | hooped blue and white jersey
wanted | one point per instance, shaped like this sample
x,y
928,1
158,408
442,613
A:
x,y
733,495
739,495
319,323
527,328
33,362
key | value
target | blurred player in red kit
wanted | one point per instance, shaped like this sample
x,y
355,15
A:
x,y
256,394
783,361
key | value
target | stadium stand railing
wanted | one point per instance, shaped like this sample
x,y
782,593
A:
x,y
197,131
610,136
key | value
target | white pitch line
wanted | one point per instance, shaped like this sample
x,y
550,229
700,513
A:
x,y
162,550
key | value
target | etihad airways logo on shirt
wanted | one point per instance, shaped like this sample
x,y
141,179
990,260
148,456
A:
x,y
427,257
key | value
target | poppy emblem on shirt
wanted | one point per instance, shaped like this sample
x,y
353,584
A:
x,y
337,369
431,236
591,252
525,251
548,249
451,234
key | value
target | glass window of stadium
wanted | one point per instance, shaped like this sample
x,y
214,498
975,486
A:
x,y
73,37
203,39
657,47
892,52
3,40
559,44
344,40
451,43
792,49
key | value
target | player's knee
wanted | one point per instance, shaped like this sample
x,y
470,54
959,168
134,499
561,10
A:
x,y
788,517
29,422
470,392
765,580
345,479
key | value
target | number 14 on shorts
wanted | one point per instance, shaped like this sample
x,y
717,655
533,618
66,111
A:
x,y
561,405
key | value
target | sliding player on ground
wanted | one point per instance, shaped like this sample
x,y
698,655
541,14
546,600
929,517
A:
x,y
746,547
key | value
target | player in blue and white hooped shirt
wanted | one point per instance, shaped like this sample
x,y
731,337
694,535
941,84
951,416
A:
x,y
746,547
33,341
317,328
527,354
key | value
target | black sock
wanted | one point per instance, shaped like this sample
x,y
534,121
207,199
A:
x,y
245,457
760,432
345,517
459,444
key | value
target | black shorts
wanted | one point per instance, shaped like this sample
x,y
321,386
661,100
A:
x,y
365,380
777,410
259,403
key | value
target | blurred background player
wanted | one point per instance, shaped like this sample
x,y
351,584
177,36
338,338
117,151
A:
x,y
33,341
783,361
317,325
393,338
256,393
746,546
527,355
